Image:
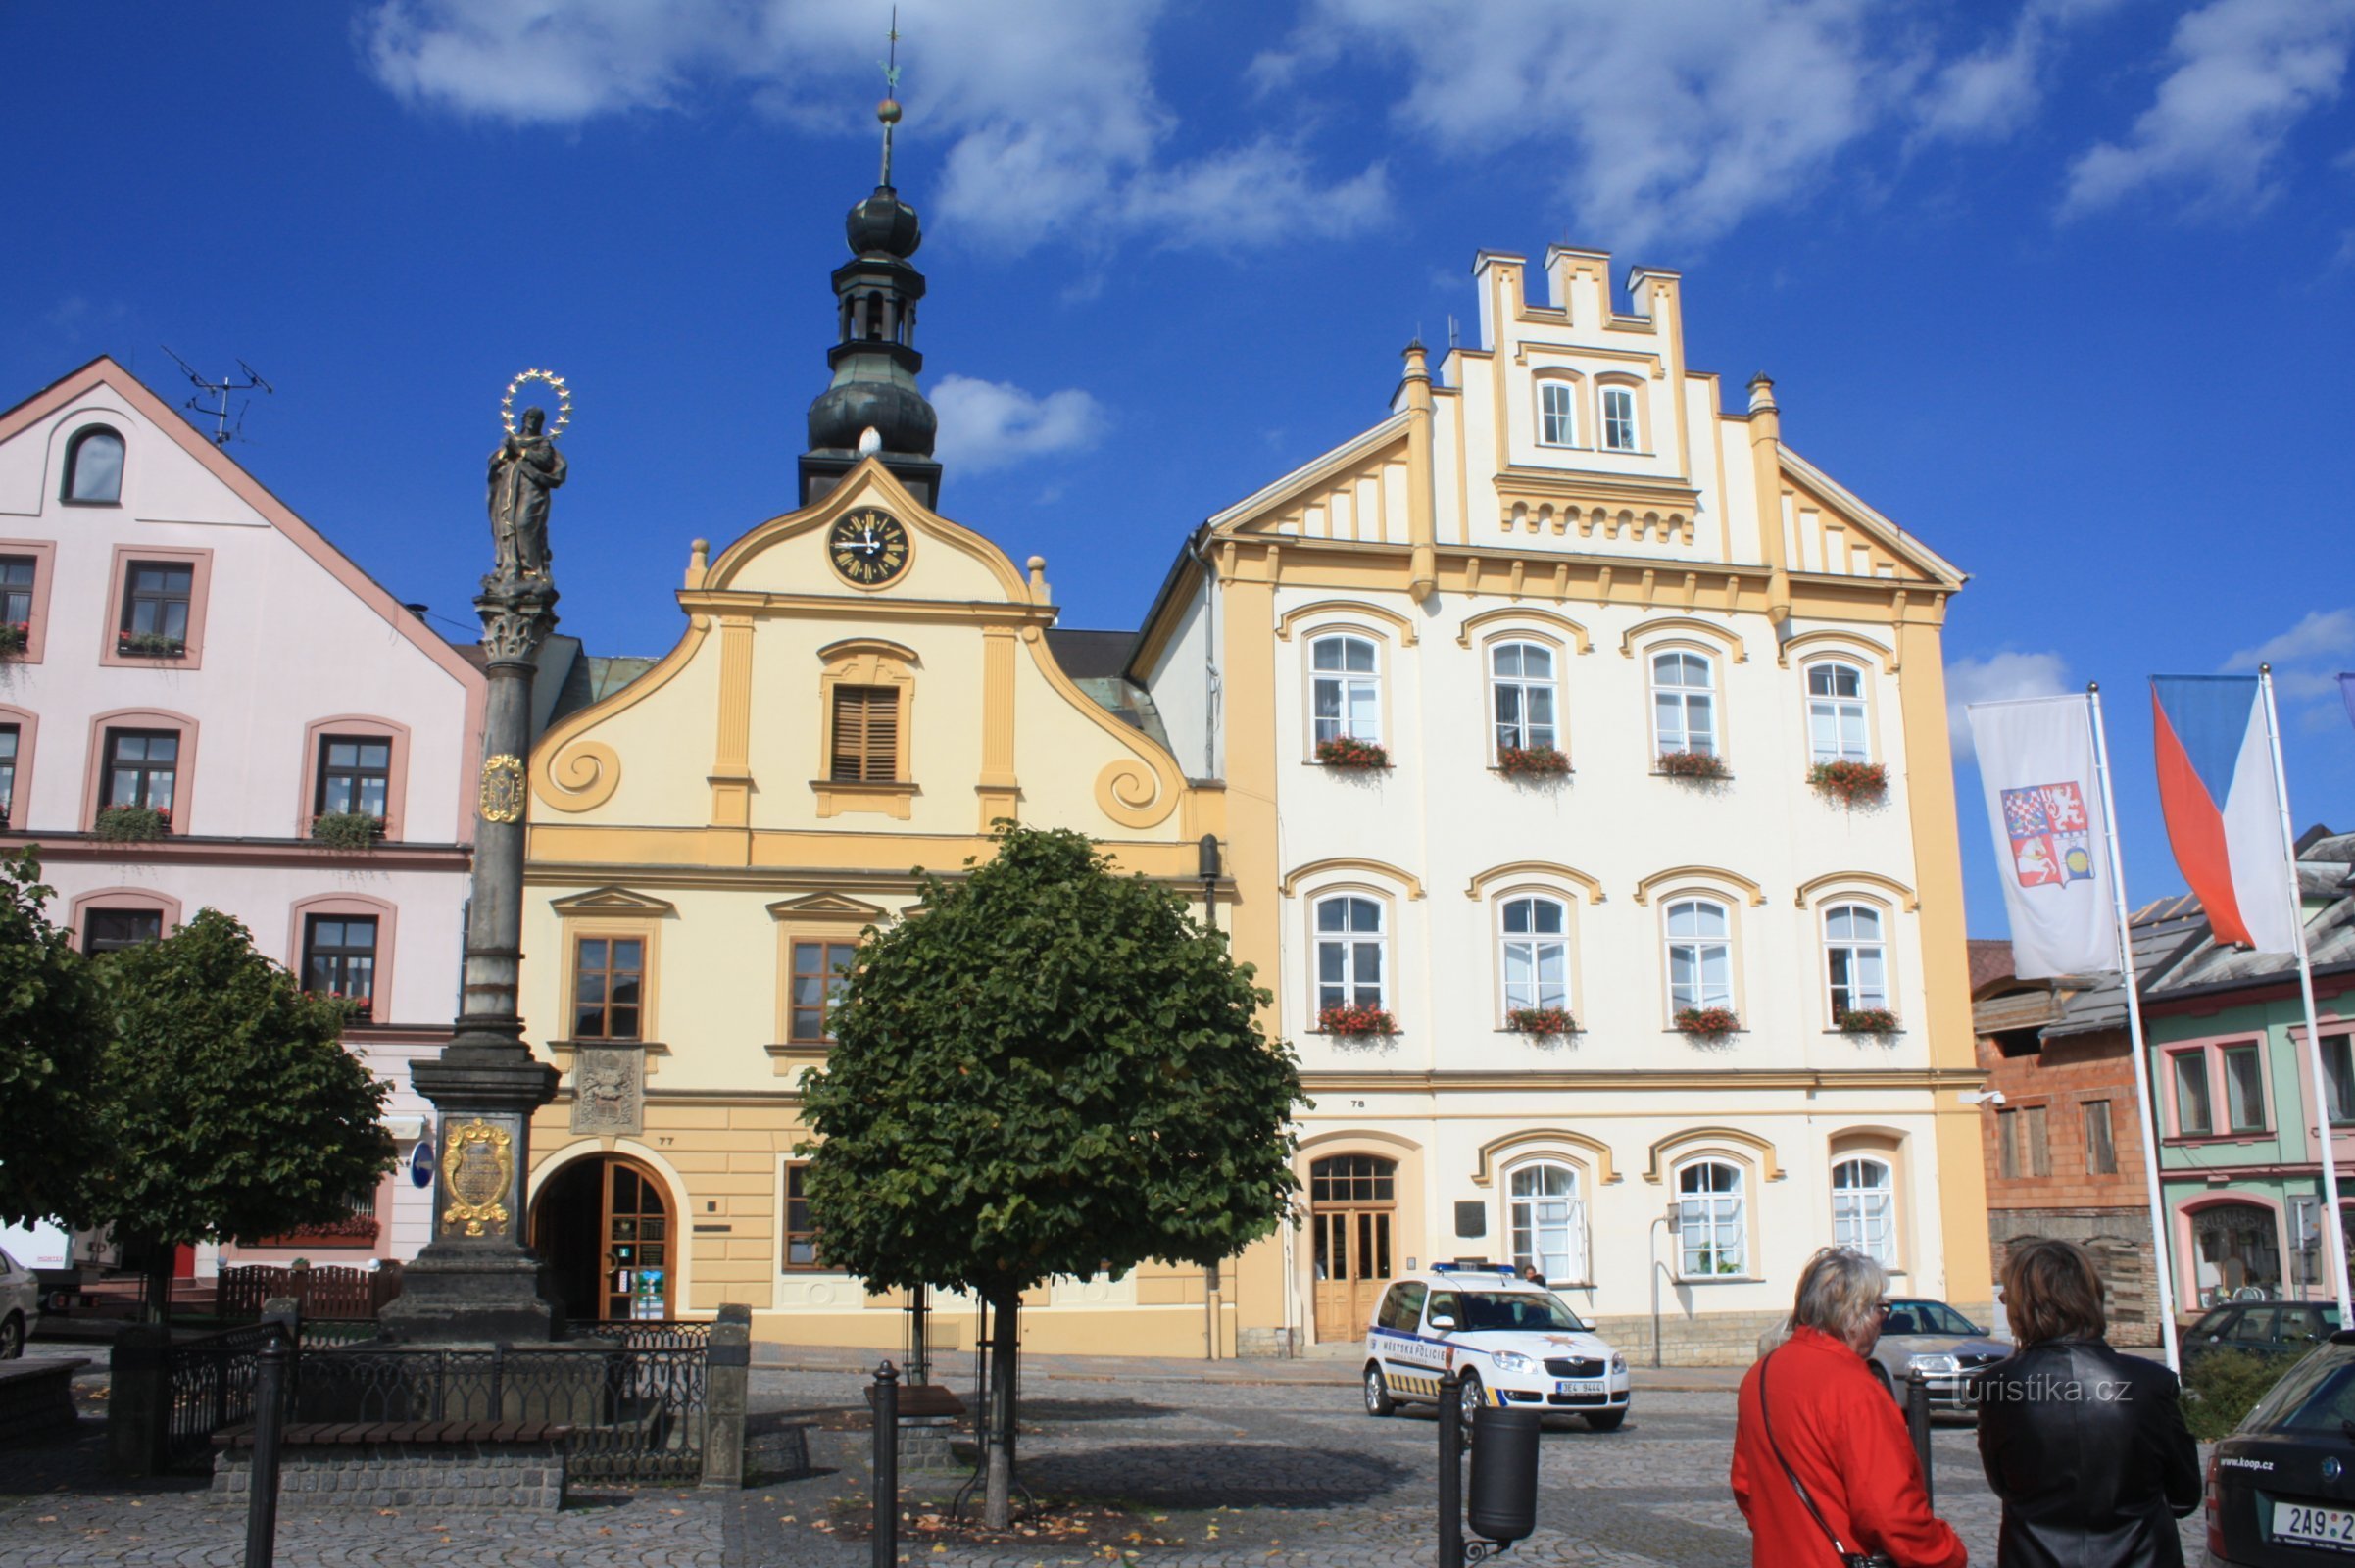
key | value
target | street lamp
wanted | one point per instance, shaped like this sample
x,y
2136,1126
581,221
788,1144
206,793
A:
x,y
1674,1220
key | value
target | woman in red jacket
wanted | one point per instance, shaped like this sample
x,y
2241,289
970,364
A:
x,y
1844,1481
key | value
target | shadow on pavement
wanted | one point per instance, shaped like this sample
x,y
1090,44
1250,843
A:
x,y
1209,1475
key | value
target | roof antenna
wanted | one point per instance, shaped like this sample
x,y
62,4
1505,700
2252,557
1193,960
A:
x,y
217,411
888,110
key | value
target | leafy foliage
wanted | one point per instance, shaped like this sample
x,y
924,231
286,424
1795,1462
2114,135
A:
x,y
1360,1020
51,1027
1347,751
14,636
2223,1386
347,831
1867,1021
133,824
1049,1070
1703,765
1532,762
1711,1024
1545,1023
227,1105
1856,783
150,645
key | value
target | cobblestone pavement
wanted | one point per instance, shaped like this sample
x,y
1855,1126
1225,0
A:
x,y
1273,1474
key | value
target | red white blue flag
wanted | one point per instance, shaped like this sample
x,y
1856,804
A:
x,y
2224,814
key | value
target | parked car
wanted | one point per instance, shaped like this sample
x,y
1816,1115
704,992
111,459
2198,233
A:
x,y
2282,1488
1951,1350
2260,1328
1512,1343
19,1305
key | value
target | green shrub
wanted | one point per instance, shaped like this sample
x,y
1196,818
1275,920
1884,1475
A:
x,y
348,830
2223,1386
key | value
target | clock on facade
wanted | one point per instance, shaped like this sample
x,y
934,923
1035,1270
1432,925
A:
x,y
869,547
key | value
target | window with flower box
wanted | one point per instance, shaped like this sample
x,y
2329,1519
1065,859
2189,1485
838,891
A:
x,y
1855,961
1683,703
1836,714
1699,935
17,576
339,958
1345,688
1522,697
156,599
8,774
1351,952
1534,954
142,770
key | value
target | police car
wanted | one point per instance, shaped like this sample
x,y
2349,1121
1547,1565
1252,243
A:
x,y
1510,1343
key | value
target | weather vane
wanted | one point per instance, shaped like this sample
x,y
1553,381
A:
x,y
888,110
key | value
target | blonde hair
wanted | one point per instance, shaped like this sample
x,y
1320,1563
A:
x,y
2051,1291
1840,1291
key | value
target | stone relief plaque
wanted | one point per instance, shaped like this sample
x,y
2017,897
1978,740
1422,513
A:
x,y
609,1091
478,1167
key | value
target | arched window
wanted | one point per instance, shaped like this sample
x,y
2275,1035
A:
x,y
1712,1229
1557,425
1700,955
95,467
1836,714
1683,703
1855,961
1523,683
1864,1208
1549,1221
2235,1254
1349,953
1348,693
1535,955
1619,418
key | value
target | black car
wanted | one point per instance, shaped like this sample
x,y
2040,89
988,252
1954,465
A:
x,y
2260,1328
2282,1488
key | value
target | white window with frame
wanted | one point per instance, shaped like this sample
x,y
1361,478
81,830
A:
x,y
1712,1223
1855,958
1350,951
1701,954
1619,418
1346,690
1521,681
1558,422
1535,955
1683,702
1864,1208
1836,714
1548,1220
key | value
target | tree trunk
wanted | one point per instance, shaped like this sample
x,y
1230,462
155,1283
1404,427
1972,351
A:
x,y
159,1282
998,1496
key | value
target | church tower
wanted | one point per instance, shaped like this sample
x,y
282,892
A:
x,y
873,404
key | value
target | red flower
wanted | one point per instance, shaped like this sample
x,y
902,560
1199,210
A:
x,y
1356,1021
1347,751
1707,1023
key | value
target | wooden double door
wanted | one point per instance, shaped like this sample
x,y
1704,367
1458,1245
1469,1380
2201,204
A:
x,y
1353,1210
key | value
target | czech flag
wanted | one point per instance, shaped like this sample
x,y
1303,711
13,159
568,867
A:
x,y
2224,812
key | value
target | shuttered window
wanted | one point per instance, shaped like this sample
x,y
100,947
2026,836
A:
x,y
867,734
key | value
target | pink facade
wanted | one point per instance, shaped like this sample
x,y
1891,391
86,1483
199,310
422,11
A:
x,y
193,648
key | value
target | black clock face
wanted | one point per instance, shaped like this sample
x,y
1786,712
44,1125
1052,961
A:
x,y
869,547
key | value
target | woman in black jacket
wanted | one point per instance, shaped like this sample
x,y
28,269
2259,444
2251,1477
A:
x,y
2087,1447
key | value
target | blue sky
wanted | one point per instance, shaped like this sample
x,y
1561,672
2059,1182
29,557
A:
x,y
2066,287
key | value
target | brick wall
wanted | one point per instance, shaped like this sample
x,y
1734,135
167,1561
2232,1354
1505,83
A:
x,y
2061,1078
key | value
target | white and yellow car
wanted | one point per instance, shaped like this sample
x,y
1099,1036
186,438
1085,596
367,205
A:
x,y
1510,1341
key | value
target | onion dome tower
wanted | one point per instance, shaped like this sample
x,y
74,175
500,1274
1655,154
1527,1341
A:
x,y
873,404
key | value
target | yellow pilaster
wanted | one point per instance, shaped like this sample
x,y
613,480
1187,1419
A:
x,y
1000,791
731,776
1766,470
1421,530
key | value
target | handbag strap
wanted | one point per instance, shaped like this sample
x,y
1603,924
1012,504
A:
x,y
1796,1485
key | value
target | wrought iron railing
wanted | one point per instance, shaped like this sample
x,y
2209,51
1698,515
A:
x,y
210,1378
318,1332
655,1334
637,1412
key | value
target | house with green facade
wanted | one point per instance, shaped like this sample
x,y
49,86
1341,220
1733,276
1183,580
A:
x,y
2239,1152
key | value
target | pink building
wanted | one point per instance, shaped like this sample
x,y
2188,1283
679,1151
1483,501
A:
x,y
204,677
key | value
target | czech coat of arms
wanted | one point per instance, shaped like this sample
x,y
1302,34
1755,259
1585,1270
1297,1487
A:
x,y
2053,842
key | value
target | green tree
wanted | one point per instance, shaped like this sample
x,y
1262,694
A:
x,y
1050,1069
226,1105
51,1026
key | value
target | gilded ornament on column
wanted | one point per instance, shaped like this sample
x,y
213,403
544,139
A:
x,y
478,1166
502,788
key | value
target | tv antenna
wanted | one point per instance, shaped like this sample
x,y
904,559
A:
x,y
210,400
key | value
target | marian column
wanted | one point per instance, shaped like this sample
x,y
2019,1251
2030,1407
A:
x,y
477,1281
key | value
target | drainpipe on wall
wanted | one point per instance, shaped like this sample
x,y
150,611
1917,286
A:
x,y
1766,470
1421,530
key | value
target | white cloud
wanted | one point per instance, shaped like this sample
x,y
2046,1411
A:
x,y
2243,73
2319,634
1993,90
1671,120
990,424
1999,677
1040,120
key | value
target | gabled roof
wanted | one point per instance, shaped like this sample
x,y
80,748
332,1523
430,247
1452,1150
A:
x,y
105,372
1316,473
1885,532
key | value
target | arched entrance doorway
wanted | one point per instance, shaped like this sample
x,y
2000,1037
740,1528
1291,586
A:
x,y
602,1226
2235,1254
1352,1199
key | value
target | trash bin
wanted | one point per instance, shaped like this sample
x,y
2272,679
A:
x,y
1504,1474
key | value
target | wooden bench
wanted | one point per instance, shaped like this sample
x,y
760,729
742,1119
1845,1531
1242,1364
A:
x,y
923,1400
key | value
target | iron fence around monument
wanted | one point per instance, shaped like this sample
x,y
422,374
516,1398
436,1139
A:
x,y
210,1382
653,1334
638,1412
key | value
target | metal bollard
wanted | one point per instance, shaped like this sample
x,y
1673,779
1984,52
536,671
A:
x,y
887,1467
1450,1471
269,1429
1917,1425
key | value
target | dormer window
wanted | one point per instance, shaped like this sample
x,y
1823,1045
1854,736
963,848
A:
x,y
1557,425
1618,419
94,469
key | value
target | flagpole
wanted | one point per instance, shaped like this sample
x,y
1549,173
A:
x,y
2162,1252
2337,1250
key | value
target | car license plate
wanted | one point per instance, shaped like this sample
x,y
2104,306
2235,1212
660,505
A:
x,y
1580,1386
2314,1527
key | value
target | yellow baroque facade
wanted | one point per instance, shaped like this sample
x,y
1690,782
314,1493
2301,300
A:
x,y
708,839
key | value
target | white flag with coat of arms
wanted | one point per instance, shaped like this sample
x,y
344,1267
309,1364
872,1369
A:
x,y
2036,762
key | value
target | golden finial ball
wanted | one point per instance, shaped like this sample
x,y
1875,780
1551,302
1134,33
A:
x,y
888,110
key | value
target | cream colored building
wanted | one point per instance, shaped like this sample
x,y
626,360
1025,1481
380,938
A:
x,y
1566,540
